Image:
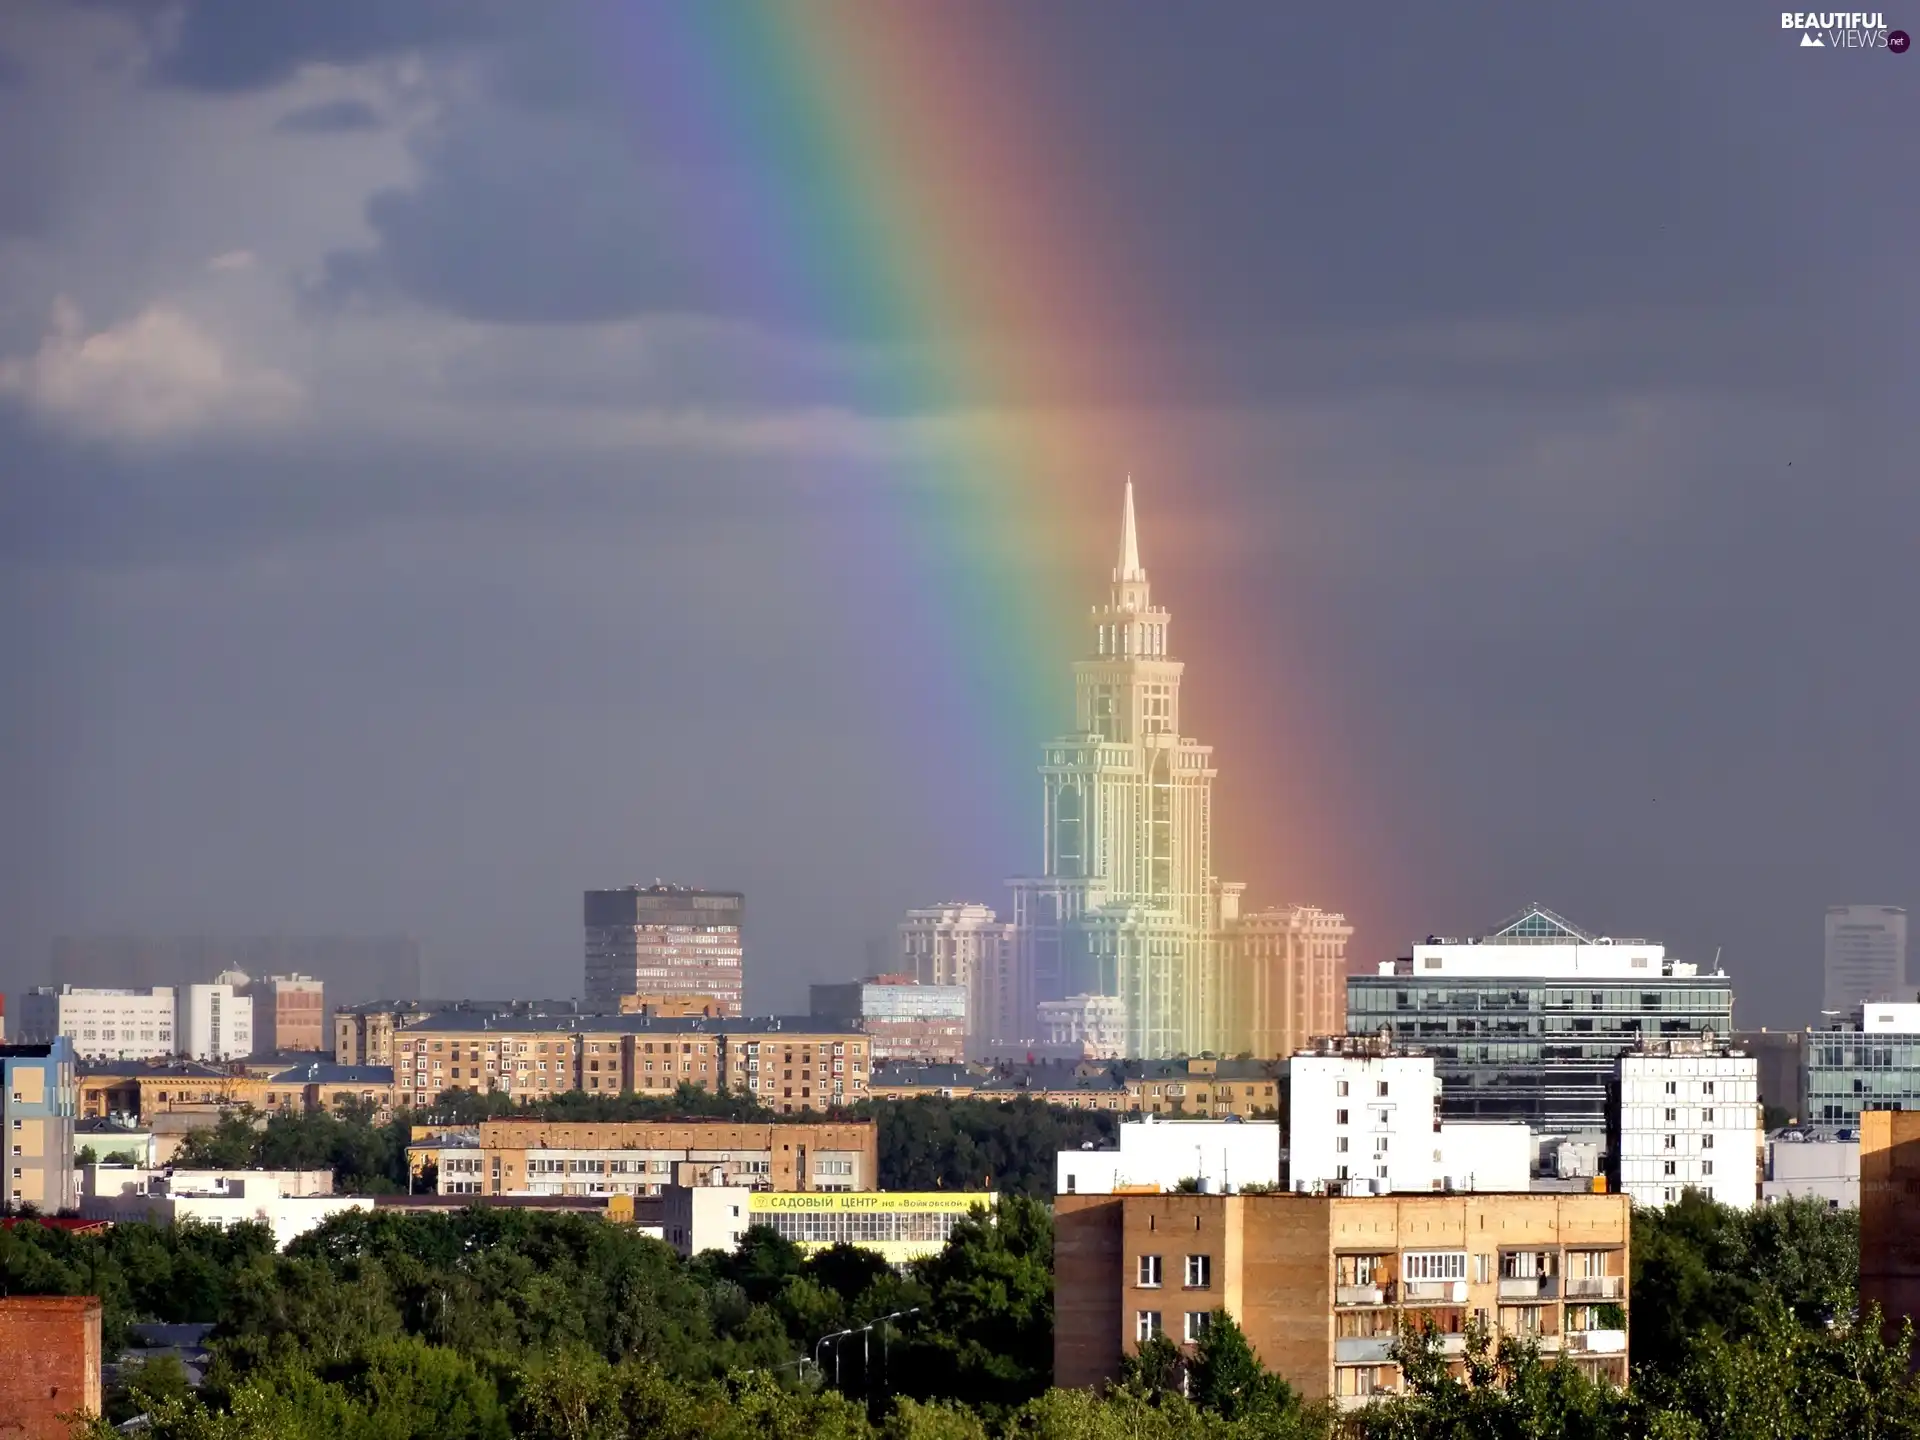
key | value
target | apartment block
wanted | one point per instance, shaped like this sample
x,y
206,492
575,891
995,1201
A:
x,y
38,1106
792,1065
903,1018
52,1370
650,939
1201,1088
1322,1284
1687,1117
1889,1193
290,1013
541,1157
103,1024
1283,978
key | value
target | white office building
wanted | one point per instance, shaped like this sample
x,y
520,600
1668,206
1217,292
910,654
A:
x,y
1688,1119
1091,1027
1866,955
1808,1165
1361,1119
217,1023
1222,1156
102,1024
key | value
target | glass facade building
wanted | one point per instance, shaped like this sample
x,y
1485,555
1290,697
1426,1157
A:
x,y
1872,1064
1529,1023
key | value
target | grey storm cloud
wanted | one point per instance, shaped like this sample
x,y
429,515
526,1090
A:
x,y
1526,466
331,117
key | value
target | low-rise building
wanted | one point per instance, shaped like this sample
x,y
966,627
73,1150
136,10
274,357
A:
x,y
1687,1117
542,1157
146,1090
902,1018
1217,1156
39,1101
290,1203
899,1226
1323,1284
116,1140
1813,1165
1201,1088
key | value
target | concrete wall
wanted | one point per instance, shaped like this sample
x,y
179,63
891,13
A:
x,y
51,1350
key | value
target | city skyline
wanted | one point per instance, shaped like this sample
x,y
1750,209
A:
x,y
462,459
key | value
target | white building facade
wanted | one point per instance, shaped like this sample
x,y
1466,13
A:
x,y
1804,1165
1361,1120
217,1023
1483,1155
1223,1156
968,945
1688,1119
1866,955
1093,1027
103,1024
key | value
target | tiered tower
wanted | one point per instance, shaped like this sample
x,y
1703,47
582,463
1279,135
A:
x,y
1126,903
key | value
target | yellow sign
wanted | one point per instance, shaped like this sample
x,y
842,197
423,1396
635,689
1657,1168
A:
x,y
851,1202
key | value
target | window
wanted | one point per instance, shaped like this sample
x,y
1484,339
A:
x,y
1199,1271
1706,1142
1196,1326
1706,1116
1706,1167
1670,1170
1146,1325
1672,1143
1672,1115
1436,1265
1339,1087
1339,1117
1382,1091
1340,1144
1707,1088
1149,1272
1482,1264
1379,1144
1672,1088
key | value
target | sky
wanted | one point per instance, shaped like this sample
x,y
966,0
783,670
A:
x,y
446,467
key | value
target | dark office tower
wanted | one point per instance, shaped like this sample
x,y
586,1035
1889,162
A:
x,y
356,970
663,940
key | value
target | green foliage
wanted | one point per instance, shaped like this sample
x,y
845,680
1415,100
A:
x,y
1703,1269
985,1333
933,1143
366,1159
1226,1377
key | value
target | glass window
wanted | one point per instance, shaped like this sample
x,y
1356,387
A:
x,y
1149,1272
1199,1271
1146,1325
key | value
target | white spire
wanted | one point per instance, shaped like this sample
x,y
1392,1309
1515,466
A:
x,y
1129,543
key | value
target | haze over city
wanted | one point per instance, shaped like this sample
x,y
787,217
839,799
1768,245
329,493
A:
x,y
454,460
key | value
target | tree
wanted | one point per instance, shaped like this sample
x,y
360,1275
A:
x,y
1226,1377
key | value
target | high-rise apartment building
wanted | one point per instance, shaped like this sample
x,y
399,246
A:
x,y
1126,902
1283,980
102,1024
1866,957
1528,1023
968,945
663,940
39,1102
217,1023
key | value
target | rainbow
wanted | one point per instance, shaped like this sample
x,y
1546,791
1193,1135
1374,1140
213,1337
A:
x,y
907,185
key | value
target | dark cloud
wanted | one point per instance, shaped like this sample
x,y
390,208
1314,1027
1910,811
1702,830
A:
x,y
232,45
331,117
13,71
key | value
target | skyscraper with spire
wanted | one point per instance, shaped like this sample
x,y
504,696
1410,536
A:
x,y
1127,903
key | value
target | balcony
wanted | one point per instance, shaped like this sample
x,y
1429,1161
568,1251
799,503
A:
x,y
1530,1287
1597,1342
1360,1402
1363,1350
1363,1295
1416,1291
1594,1287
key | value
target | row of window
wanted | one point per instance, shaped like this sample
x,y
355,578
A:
x,y
1199,1272
1146,1325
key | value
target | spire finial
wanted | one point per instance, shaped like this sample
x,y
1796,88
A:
x,y
1129,542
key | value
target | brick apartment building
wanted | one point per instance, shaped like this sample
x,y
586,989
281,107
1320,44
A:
x,y
51,1345
1322,1284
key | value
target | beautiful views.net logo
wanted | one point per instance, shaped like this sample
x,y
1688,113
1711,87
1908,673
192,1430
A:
x,y
1844,30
